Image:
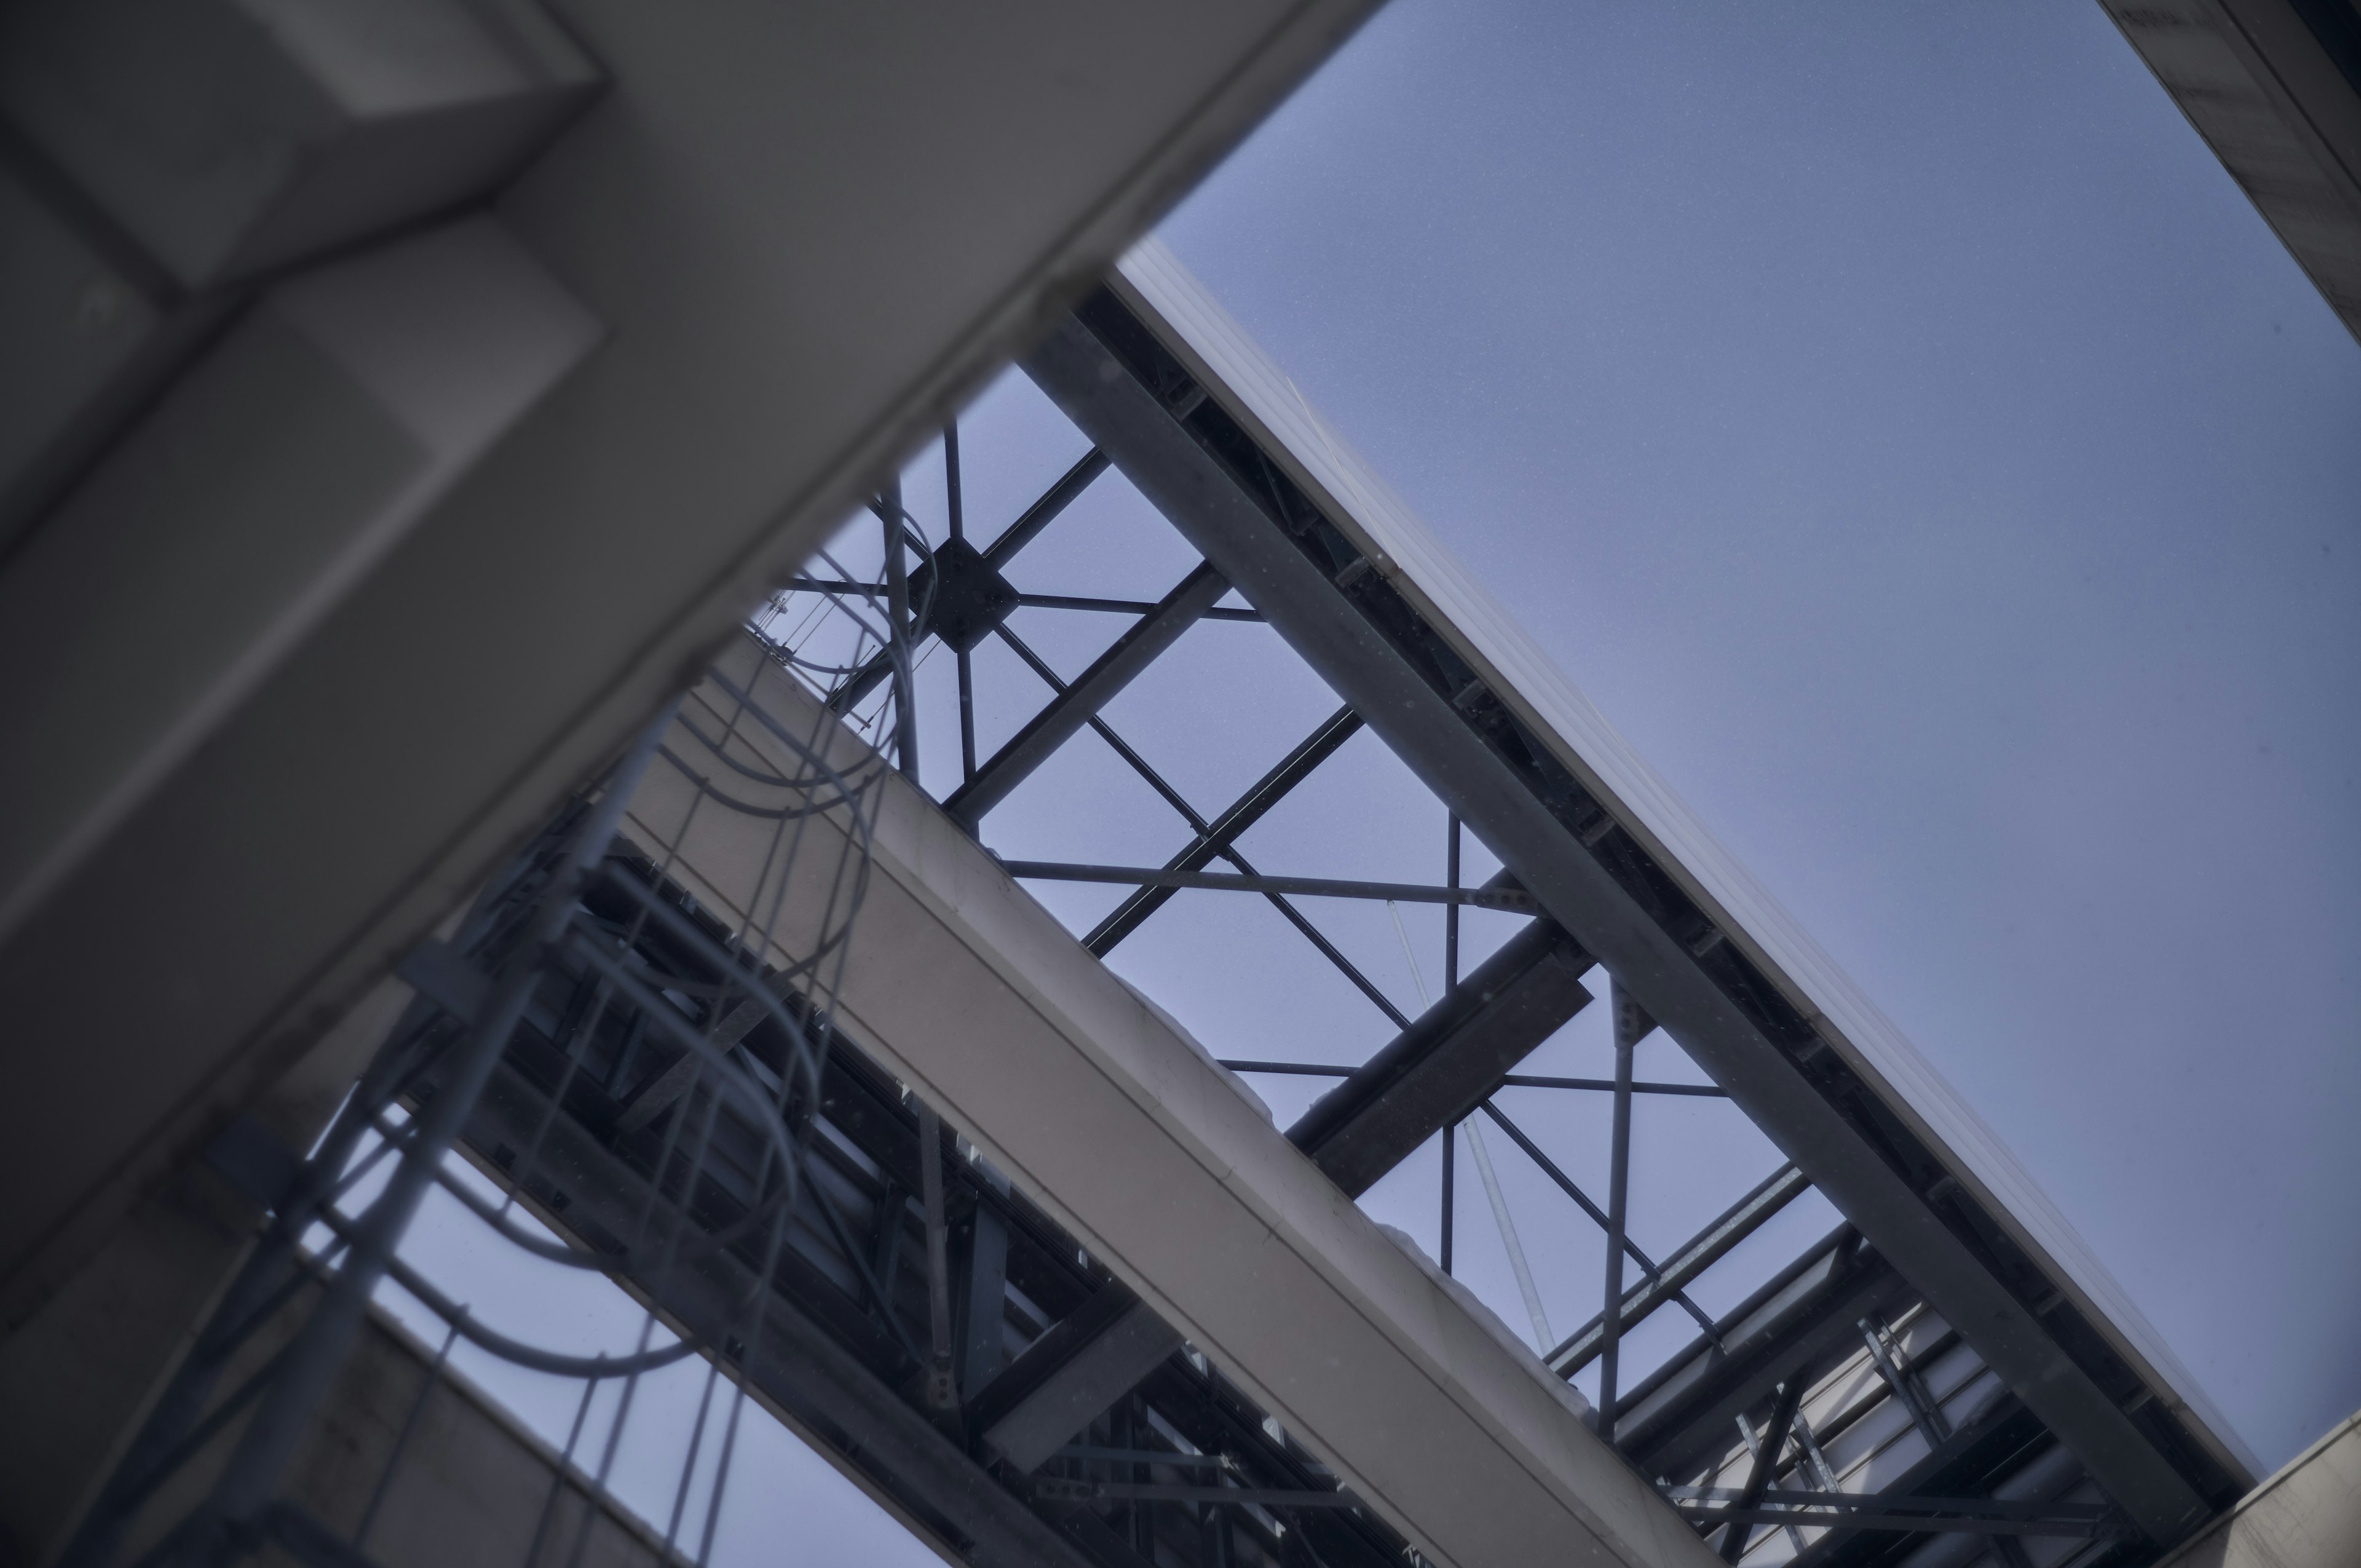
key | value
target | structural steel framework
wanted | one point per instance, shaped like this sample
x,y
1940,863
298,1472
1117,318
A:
x,y
614,1077
612,1069
1949,1364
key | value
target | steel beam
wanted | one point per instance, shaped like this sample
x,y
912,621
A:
x,y
1453,1056
1253,480
2274,86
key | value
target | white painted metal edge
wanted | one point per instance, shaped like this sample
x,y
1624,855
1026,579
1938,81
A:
x,y
1245,380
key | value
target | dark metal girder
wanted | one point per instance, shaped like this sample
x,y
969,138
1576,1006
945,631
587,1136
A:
x,y
1235,503
1452,1056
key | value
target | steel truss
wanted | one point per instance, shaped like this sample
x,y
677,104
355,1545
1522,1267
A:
x,y
1834,1416
675,1111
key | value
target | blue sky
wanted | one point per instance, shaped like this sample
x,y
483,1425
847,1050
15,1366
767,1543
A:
x,y
1897,420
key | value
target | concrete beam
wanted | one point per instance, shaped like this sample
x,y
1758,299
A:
x,y
811,231
226,141
1158,1161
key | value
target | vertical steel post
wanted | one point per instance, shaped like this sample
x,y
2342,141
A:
x,y
1450,984
1631,1024
956,509
897,650
942,1391
983,1305
1451,910
320,1348
1450,1146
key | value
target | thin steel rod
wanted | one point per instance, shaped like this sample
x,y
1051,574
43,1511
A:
x,y
1301,887
1598,1216
1692,1258
1609,1086
897,607
1148,1491
1451,904
1619,1182
964,663
1172,798
956,510
1070,711
1112,607
1214,840
1039,515
269,1439
1105,733
1513,1080
1448,1202
1542,1338
559,1474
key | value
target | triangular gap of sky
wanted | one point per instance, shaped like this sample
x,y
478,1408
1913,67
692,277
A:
x,y
1898,421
